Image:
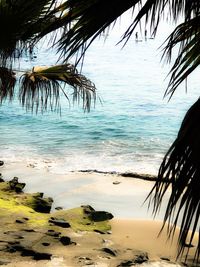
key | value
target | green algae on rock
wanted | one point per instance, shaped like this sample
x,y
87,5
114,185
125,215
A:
x,y
31,232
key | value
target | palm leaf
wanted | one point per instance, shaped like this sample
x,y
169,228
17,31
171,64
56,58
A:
x,y
7,83
86,23
180,170
187,36
87,20
19,22
41,87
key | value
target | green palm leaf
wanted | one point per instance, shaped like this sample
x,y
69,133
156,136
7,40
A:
x,y
41,87
180,170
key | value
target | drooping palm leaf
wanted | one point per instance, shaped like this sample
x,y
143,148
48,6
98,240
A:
x,y
187,35
41,87
180,171
7,83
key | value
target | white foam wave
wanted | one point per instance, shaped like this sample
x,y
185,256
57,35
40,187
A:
x,y
83,160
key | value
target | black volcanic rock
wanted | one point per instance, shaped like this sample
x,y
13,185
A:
x,y
60,223
98,216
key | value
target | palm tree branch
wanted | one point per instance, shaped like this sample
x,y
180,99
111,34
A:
x,y
7,84
181,166
41,87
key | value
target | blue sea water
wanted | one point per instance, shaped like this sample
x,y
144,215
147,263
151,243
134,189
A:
x,y
130,129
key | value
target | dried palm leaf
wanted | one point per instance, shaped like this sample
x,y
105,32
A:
x,y
41,87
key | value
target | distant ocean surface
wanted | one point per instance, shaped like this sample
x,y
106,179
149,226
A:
x,y
130,130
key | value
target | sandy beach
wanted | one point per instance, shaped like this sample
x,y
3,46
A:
x,y
122,196
133,231
129,238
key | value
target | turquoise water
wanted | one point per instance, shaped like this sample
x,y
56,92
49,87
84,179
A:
x,y
129,131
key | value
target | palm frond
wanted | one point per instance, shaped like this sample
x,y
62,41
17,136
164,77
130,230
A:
x,y
180,170
187,36
19,22
86,23
88,19
7,83
41,87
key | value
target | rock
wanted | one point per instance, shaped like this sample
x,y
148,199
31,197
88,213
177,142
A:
x,y
65,240
1,179
98,216
42,256
23,220
109,251
126,264
27,252
38,194
1,163
19,187
60,223
28,230
99,232
14,248
46,244
86,261
15,185
35,254
139,259
165,259
87,209
42,205
143,257
116,182
58,208
19,237
84,258
53,233
19,221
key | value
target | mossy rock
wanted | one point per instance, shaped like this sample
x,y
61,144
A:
x,y
79,221
24,205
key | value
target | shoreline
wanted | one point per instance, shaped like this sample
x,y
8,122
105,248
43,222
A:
x,y
123,196
129,236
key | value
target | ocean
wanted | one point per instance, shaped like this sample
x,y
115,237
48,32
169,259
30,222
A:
x,y
130,129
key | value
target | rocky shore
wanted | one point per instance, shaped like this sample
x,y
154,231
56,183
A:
x,y
30,230
33,235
